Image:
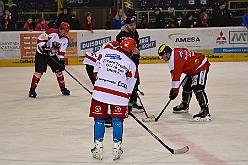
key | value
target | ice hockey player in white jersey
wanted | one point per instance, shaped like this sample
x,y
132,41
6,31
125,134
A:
x,y
116,75
90,61
51,47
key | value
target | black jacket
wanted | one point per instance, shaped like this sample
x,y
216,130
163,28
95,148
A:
x,y
125,33
221,18
160,23
75,23
186,23
63,18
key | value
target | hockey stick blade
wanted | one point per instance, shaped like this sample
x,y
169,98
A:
x,y
149,119
181,150
177,151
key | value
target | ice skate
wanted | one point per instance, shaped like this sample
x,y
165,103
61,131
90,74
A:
x,y
203,115
97,151
32,93
65,91
181,108
137,107
108,121
117,150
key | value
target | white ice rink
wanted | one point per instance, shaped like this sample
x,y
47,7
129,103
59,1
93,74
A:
x,y
53,129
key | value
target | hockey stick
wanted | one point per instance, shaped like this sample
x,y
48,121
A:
x,y
173,151
160,114
72,76
150,117
142,93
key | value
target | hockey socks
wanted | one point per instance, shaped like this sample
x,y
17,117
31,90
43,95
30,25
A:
x,y
36,78
60,79
99,129
117,129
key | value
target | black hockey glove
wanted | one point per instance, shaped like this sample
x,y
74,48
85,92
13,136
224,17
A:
x,y
172,95
46,50
62,64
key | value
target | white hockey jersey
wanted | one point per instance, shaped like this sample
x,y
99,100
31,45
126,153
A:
x,y
51,38
90,58
116,75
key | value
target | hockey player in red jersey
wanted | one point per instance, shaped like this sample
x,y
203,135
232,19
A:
x,y
51,45
196,67
116,75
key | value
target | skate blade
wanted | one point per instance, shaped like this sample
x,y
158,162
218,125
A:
x,y
182,111
149,119
116,157
97,156
205,119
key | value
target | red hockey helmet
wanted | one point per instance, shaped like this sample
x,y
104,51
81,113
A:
x,y
128,44
65,26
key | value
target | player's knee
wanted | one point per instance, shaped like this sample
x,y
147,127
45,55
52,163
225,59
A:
x,y
99,121
117,121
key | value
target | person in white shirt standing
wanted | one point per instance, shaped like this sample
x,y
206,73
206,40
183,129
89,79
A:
x,y
51,48
116,75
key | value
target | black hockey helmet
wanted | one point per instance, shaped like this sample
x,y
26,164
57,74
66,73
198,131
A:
x,y
163,49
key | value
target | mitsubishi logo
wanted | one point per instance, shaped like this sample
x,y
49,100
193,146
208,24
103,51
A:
x,y
221,36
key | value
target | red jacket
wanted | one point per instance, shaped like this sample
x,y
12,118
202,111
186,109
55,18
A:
x,y
88,26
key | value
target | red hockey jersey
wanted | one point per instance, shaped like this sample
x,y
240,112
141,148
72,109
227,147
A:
x,y
184,61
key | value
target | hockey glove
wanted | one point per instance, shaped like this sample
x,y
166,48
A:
x,y
172,95
46,50
62,64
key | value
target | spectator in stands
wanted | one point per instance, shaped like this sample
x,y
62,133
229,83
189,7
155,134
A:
x,y
187,21
129,10
159,23
64,16
203,21
173,22
42,25
143,24
108,23
13,7
244,20
119,20
53,23
29,25
1,10
88,22
221,16
8,20
74,21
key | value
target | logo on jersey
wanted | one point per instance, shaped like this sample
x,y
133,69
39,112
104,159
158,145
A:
x,y
98,109
122,84
56,44
113,56
117,109
180,53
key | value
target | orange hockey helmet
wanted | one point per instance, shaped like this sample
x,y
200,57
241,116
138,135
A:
x,y
65,26
128,44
